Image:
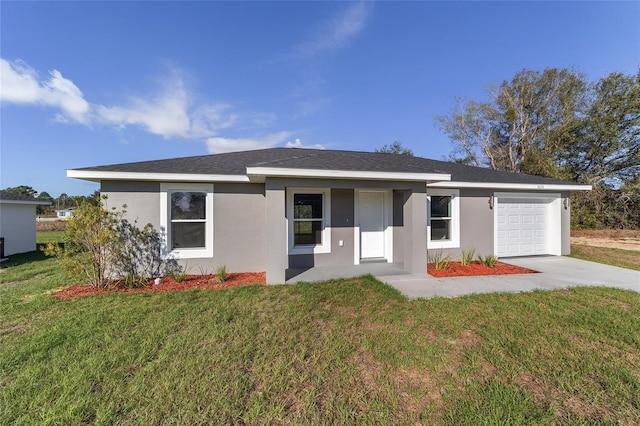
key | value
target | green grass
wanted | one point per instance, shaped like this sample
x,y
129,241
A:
x,y
341,352
629,259
44,237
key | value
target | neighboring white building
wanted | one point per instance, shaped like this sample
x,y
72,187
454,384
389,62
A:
x,y
65,214
18,222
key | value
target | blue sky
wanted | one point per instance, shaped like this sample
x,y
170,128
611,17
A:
x,y
91,83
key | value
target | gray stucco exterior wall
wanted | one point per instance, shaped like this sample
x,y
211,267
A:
x,y
566,225
142,200
477,228
476,222
276,231
414,239
238,218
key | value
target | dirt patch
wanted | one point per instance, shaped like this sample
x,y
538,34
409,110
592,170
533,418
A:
x,y
457,269
625,239
200,282
51,225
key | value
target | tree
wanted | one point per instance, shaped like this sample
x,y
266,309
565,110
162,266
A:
x,y
23,190
90,241
44,195
553,123
100,244
395,148
509,132
605,143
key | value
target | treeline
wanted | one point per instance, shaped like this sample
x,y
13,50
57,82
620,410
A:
x,y
555,123
64,201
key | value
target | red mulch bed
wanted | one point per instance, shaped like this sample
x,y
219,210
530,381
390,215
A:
x,y
456,269
200,282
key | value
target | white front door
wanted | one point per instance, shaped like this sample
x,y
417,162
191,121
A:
x,y
372,221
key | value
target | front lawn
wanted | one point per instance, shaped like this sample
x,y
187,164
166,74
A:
x,y
629,259
341,352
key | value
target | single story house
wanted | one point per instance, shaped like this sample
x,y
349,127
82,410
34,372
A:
x,y
65,214
283,210
18,222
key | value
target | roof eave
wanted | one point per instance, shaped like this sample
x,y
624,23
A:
x,y
27,202
513,186
99,175
260,173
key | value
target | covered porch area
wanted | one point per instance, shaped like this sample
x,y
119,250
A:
x,y
323,273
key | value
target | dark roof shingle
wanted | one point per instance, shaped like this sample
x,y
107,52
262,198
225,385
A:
x,y
236,163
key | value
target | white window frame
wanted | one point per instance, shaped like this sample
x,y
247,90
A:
x,y
325,247
454,241
165,219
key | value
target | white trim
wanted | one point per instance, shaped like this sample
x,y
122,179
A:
x,y
345,174
554,232
514,186
94,175
325,247
454,241
388,222
165,189
26,202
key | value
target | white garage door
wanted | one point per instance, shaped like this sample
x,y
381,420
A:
x,y
523,227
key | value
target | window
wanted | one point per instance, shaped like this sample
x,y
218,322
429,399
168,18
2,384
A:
x,y
307,211
307,219
443,219
186,218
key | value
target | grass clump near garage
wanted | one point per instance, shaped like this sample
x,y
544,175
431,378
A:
x,y
339,352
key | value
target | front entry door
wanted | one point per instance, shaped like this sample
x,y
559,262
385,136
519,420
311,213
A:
x,y
371,217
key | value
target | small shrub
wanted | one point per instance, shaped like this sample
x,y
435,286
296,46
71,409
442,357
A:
x,y
90,244
101,245
440,261
221,273
178,274
489,260
467,256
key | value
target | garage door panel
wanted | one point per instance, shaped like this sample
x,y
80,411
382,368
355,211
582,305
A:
x,y
522,227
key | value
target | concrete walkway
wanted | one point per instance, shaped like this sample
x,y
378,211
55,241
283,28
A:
x,y
555,272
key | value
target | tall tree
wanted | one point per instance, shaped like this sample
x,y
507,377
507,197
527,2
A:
x,y
395,148
604,144
23,190
553,123
515,122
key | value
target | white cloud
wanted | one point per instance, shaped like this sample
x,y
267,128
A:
x,y
217,145
20,84
298,144
171,112
335,33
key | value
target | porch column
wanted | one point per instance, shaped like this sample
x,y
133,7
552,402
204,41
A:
x,y
415,230
276,232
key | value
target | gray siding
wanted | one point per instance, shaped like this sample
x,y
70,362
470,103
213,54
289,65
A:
x,y
142,200
239,212
477,224
342,220
276,232
566,226
414,235
239,231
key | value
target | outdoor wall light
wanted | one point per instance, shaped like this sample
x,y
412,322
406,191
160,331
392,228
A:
x,y
491,202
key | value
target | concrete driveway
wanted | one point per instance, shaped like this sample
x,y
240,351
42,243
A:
x,y
555,272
